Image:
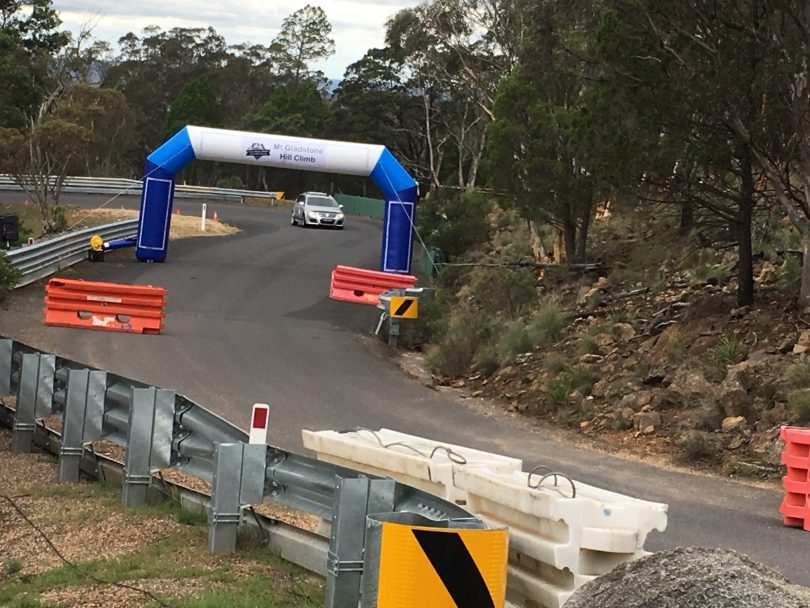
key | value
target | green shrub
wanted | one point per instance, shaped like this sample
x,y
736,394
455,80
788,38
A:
x,y
548,323
11,565
799,404
557,393
9,277
514,340
555,362
506,291
790,274
454,221
572,379
586,345
486,360
799,375
192,517
618,315
720,357
454,354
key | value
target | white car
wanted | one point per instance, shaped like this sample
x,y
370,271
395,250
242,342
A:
x,y
316,209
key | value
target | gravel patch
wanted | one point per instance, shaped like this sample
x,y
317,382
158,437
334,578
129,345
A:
x,y
691,577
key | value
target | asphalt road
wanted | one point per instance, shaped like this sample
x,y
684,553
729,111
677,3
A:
x,y
248,320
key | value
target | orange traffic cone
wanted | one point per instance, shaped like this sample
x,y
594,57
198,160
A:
x,y
216,217
177,211
25,204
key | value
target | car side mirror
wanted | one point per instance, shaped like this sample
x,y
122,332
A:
x,y
341,206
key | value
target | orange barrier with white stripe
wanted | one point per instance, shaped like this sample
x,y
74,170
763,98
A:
x,y
107,306
362,286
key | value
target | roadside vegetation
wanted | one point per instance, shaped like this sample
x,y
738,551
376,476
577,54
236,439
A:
x,y
155,556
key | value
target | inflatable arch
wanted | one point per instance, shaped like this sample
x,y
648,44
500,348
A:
x,y
265,150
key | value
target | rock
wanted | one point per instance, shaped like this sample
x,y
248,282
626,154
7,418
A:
x,y
624,331
693,576
600,388
736,443
646,420
733,398
785,345
623,418
798,349
604,342
690,384
738,313
768,273
742,374
733,424
804,338
591,359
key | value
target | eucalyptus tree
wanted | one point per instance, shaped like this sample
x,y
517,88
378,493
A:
x,y
780,141
304,38
536,151
453,55
700,76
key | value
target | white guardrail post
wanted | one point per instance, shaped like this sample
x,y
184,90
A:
x,y
562,533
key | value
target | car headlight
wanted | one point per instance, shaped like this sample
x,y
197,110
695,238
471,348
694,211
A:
x,y
339,216
313,215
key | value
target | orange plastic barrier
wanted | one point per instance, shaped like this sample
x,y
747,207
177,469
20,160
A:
x,y
365,286
796,455
109,306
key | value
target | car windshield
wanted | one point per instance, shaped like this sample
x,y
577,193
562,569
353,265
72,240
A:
x,y
322,201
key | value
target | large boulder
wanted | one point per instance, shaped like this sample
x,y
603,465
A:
x,y
687,577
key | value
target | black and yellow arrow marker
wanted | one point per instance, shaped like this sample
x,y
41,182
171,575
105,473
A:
x,y
442,568
404,307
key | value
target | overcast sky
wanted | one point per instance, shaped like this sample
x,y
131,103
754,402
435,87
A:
x,y
357,25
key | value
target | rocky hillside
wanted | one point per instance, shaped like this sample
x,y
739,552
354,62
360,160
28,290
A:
x,y
668,364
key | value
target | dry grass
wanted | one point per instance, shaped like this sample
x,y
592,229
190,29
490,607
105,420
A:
x,y
182,225
152,548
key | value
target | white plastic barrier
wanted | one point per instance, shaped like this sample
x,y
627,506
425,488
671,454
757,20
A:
x,y
562,533
415,461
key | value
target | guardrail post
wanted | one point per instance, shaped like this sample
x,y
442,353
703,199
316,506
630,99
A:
x,y
149,441
354,500
6,363
34,398
238,480
84,415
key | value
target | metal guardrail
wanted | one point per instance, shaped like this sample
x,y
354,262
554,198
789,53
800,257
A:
x,y
119,185
160,429
47,256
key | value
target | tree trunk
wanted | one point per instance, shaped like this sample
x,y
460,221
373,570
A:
x,y
538,250
570,235
687,216
559,246
582,237
804,294
745,265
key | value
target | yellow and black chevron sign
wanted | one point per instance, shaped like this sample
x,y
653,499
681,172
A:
x,y
404,307
442,568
